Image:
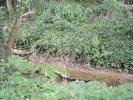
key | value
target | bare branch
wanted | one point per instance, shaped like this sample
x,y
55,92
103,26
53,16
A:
x,y
29,14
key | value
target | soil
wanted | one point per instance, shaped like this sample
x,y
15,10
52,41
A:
x,y
80,70
67,62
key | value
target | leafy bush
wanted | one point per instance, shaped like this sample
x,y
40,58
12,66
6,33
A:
x,y
98,32
21,88
3,14
15,86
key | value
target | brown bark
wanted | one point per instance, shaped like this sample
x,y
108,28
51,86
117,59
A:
x,y
62,76
13,35
15,30
29,14
21,53
10,7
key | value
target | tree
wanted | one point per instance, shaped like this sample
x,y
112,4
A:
x,y
12,38
10,6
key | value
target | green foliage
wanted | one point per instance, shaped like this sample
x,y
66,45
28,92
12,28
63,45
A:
x,y
85,32
3,66
22,6
3,14
21,88
101,33
23,66
17,87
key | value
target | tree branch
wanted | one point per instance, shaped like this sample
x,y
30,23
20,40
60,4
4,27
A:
x,y
13,35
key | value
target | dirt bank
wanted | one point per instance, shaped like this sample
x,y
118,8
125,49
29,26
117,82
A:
x,y
80,70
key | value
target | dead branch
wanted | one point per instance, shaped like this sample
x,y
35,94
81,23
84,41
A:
x,y
62,76
29,14
21,53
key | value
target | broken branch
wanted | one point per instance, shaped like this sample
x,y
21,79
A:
x,y
21,53
29,14
62,76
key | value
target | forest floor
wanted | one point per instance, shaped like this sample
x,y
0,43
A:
x,y
80,70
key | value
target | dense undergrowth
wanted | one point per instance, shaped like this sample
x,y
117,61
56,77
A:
x,y
98,32
92,32
15,86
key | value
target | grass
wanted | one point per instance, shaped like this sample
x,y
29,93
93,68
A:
x,y
25,66
50,69
37,88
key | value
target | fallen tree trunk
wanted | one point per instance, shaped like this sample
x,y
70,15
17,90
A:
x,y
62,76
21,53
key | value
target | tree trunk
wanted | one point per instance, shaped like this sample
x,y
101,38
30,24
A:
x,y
13,35
10,7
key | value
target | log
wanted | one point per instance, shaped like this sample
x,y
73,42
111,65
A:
x,y
21,53
68,78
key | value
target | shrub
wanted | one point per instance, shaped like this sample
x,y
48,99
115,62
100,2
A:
x,y
15,86
98,33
